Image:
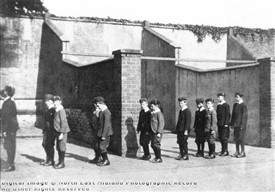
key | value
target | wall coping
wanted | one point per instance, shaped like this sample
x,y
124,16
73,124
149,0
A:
x,y
109,21
160,36
56,30
127,51
215,69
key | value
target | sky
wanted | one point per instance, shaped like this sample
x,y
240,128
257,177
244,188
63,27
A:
x,y
245,13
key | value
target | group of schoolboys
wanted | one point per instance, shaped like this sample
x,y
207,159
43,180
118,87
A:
x,y
206,121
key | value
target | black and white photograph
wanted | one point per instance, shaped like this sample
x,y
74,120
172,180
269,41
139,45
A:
x,y
156,95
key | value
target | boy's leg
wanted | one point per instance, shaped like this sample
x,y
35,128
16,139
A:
x,y
103,145
242,137
180,143
61,148
185,147
237,140
220,132
156,146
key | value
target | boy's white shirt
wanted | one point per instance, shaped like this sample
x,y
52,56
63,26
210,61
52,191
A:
x,y
222,102
8,97
104,108
58,108
201,109
155,111
240,102
146,109
182,109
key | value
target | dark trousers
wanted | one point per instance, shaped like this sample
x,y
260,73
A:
x,y
61,145
101,146
10,146
48,144
155,144
200,139
182,142
223,137
210,138
239,137
144,141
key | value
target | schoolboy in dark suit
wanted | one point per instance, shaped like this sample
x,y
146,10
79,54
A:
x,y
9,126
61,131
183,128
95,126
199,127
144,128
48,130
239,122
105,130
223,121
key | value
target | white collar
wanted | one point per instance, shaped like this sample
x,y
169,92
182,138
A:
x,y
221,103
104,108
184,108
8,97
201,109
147,109
155,111
58,108
240,102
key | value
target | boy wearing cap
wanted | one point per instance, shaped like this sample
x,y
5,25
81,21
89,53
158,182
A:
x,y
239,122
61,131
223,121
183,128
105,130
199,126
210,127
144,128
9,126
48,130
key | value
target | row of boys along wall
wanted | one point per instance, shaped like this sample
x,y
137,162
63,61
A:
x,y
39,65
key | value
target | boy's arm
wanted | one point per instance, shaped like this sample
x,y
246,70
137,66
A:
x,y
160,123
227,115
107,125
139,122
187,121
244,117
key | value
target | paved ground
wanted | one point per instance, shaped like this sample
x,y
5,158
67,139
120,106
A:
x,y
254,173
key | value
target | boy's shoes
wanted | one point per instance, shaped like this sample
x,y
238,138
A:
x,y
185,157
180,157
198,154
157,160
44,162
103,163
146,157
60,165
211,156
242,155
49,163
9,169
226,153
221,153
235,154
95,160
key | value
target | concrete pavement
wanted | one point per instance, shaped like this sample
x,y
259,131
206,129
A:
x,y
253,173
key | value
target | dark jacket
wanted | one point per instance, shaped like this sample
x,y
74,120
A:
x,y
105,124
144,121
200,120
210,122
60,121
157,122
9,121
223,114
184,121
239,115
48,116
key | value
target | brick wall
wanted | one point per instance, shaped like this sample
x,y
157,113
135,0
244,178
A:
x,y
130,62
272,80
